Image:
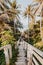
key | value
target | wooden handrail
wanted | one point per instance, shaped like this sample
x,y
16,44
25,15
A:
x,y
6,46
34,54
8,55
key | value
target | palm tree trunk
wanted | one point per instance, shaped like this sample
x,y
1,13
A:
x,y
28,22
28,27
35,19
41,23
14,26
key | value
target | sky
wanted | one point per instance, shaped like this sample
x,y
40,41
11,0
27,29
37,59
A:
x,y
24,4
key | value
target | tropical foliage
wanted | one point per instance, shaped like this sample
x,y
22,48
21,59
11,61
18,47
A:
x,y
35,33
8,26
35,29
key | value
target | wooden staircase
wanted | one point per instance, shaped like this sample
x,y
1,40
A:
x,y
34,56
28,55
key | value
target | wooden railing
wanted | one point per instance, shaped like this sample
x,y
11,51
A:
x,y
7,52
34,56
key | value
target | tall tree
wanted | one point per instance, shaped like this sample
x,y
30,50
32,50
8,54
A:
x,y
12,11
41,14
29,14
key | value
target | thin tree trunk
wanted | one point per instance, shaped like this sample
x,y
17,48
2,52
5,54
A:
x,y
14,26
28,27
41,23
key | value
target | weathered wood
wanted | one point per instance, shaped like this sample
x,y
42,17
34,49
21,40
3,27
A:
x,y
36,52
35,49
32,63
38,57
8,55
36,63
10,51
29,55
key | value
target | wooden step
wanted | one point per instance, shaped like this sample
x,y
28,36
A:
x,y
20,63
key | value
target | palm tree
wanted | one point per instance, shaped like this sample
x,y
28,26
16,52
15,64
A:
x,y
41,14
3,25
11,11
40,1
29,14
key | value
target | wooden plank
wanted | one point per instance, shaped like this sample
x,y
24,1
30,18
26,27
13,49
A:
x,y
38,57
20,63
6,56
10,51
34,48
6,46
37,53
35,61
32,63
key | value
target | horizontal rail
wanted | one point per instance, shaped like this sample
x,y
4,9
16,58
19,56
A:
x,y
38,58
6,46
34,60
7,52
35,49
35,54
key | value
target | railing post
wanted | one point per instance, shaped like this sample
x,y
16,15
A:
x,y
25,45
10,51
6,56
29,55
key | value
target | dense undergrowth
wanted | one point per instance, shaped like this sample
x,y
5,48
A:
x,y
14,56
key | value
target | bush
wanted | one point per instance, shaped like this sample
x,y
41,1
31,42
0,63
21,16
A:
x,y
2,58
14,56
7,38
39,45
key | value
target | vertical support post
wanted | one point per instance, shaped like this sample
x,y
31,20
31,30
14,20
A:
x,y
41,21
41,29
6,56
10,51
29,55
25,45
